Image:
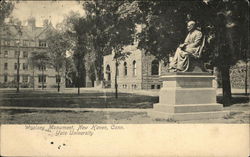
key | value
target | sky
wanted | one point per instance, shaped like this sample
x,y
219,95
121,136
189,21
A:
x,y
54,11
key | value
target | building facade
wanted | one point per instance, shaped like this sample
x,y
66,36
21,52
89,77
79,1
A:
x,y
22,41
137,71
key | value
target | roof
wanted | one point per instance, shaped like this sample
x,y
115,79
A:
x,y
30,33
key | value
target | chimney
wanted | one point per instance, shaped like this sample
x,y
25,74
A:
x,y
32,22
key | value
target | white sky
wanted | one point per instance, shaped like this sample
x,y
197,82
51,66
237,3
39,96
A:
x,y
54,11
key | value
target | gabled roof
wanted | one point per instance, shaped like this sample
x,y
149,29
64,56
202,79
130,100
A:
x,y
11,31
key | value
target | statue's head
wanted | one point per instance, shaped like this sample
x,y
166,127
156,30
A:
x,y
191,26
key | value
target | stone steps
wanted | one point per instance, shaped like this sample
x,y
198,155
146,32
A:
x,y
188,108
187,116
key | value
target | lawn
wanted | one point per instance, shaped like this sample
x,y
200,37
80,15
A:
x,y
239,111
14,116
72,100
239,114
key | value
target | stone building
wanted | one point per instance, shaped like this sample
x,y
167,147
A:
x,y
32,39
137,71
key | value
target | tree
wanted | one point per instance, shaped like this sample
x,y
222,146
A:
x,y
163,26
114,27
58,45
97,37
18,62
75,28
70,71
40,60
228,21
225,24
6,7
14,29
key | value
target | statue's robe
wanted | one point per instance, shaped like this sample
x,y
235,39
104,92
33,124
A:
x,y
193,44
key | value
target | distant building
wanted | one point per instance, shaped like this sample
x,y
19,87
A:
x,y
33,39
138,71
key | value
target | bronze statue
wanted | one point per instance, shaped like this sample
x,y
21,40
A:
x,y
192,46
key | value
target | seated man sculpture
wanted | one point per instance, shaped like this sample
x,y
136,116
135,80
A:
x,y
192,46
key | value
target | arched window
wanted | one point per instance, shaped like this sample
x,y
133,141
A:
x,y
134,68
108,72
155,67
117,71
125,69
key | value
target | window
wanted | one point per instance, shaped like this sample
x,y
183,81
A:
x,y
26,43
31,43
7,43
25,78
152,86
155,67
17,53
133,86
5,54
118,71
25,54
15,78
134,68
125,69
41,78
16,42
108,72
42,67
58,78
5,78
42,43
158,86
5,66
15,66
25,66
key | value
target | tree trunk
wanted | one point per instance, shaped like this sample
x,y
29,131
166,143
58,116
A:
x,y
58,83
226,86
42,78
246,77
33,78
78,79
18,68
116,85
97,77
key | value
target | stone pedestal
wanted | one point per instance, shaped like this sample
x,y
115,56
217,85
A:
x,y
187,96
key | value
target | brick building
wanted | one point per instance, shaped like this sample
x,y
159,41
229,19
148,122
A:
x,y
32,39
138,71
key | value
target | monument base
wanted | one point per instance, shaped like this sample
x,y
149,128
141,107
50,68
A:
x,y
187,96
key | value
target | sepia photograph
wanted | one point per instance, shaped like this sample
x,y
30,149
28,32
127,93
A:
x,y
78,68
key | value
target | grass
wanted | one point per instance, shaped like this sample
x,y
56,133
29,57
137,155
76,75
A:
x,y
85,100
239,111
14,116
236,98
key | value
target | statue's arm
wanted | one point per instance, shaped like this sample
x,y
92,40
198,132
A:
x,y
185,41
197,40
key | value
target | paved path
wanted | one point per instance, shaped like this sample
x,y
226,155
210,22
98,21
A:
x,y
106,90
75,109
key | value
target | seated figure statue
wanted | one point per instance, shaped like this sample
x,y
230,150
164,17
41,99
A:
x,y
191,47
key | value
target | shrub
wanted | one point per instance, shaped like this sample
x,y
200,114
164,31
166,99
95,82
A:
x,y
237,75
13,84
